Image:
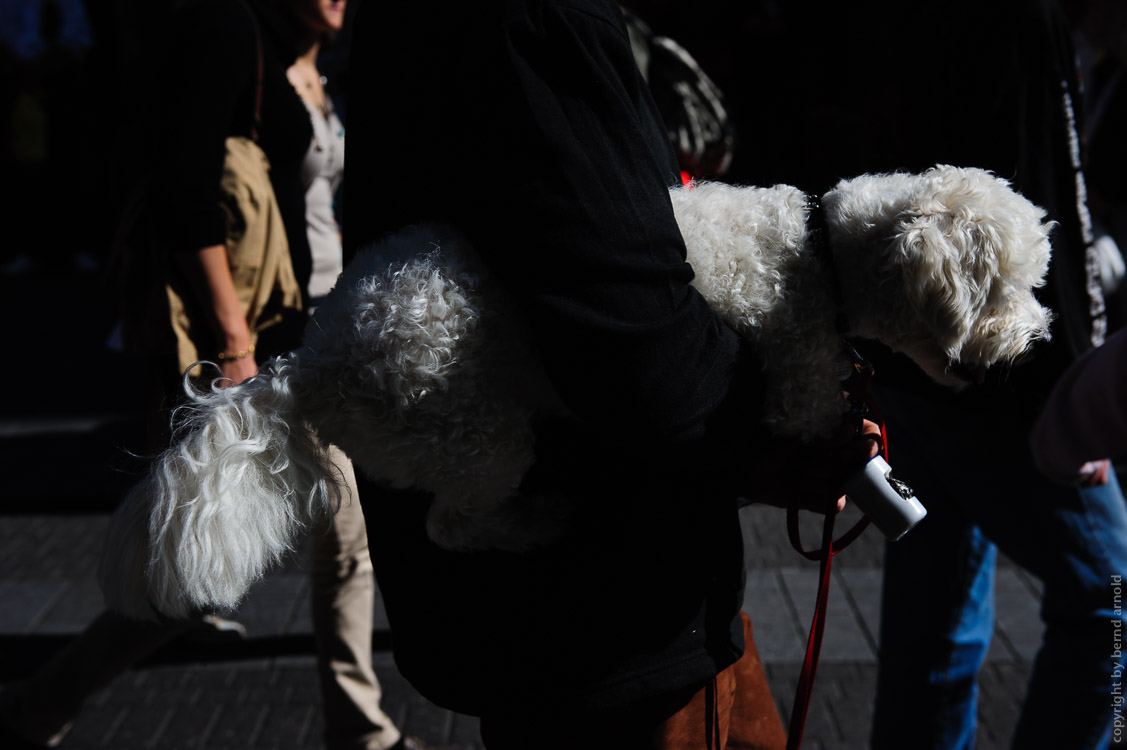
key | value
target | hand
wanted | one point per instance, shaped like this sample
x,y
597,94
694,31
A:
x,y
1094,473
812,474
235,371
209,274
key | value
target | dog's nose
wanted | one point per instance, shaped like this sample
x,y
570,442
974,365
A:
x,y
967,374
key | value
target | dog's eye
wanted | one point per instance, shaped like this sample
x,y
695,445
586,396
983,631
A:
x,y
1022,358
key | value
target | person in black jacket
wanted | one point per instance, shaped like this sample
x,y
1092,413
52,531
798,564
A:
x,y
527,125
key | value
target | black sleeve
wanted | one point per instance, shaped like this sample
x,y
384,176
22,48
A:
x,y
534,133
206,97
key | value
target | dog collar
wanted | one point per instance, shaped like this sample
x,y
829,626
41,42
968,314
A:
x,y
818,238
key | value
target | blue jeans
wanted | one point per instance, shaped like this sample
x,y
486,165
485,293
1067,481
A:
x,y
973,471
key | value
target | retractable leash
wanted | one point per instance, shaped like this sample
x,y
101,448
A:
x,y
885,501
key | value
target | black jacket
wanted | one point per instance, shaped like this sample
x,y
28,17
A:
x,y
527,125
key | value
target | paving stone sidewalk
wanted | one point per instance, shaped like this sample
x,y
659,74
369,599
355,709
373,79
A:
x,y
261,693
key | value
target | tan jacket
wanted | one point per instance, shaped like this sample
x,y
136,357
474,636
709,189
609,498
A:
x,y
257,252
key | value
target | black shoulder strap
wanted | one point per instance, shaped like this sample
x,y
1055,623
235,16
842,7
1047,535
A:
x,y
256,123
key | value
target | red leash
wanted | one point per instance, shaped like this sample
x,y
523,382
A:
x,y
804,692
805,689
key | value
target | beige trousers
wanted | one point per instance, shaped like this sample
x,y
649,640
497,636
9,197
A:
x,y
342,603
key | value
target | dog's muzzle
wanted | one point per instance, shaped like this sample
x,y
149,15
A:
x,y
969,374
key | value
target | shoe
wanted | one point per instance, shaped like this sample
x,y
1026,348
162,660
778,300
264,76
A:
x,y
414,743
213,629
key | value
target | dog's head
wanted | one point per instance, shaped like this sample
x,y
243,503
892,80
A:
x,y
941,266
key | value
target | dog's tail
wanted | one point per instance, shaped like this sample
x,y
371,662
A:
x,y
243,477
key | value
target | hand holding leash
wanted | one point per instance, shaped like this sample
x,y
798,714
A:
x,y
813,475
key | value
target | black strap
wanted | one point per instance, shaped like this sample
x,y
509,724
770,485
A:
x,y
256,121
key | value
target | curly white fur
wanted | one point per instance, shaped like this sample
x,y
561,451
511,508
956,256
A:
x,y
755,264
418,369
436,383
941,266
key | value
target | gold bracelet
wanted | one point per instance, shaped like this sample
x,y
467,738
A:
x,y
223,356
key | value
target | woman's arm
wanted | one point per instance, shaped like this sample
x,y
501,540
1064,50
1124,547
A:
x,y
209,276
212,102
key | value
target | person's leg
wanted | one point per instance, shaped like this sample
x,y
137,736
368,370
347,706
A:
x,y
937,618
1074,541
1077,546
937,608
342,602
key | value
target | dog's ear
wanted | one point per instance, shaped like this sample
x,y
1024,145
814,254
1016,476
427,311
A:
x,y
947,271
971,250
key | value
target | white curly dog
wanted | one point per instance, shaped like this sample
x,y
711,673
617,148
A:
x,y
419,370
